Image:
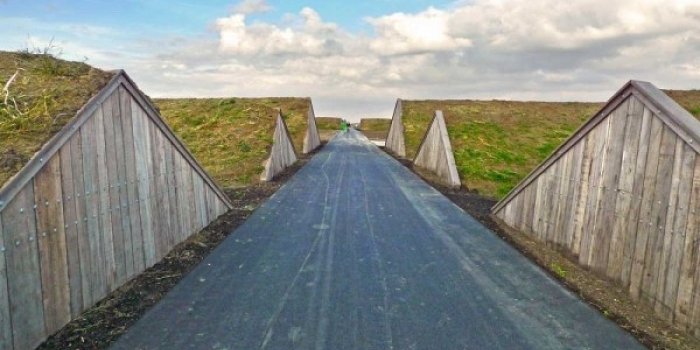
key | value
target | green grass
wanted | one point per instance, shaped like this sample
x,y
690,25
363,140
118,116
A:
x,y
497,143
328,123
375,124
231,137
45,95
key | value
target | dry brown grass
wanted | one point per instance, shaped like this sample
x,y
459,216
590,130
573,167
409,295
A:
x,y
43,98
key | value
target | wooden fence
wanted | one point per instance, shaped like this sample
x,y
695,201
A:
x,y
623,195
106,198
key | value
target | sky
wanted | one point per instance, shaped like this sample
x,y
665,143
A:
x,y
355,58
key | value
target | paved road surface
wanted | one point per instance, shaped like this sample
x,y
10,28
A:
x,y
356,252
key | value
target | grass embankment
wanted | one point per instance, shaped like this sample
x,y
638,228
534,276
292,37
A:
x,y
43,97
231,137
375,124
375,128
328,123
327,127
497,143
689,99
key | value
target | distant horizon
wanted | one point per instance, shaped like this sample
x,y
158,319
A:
x,y
355,59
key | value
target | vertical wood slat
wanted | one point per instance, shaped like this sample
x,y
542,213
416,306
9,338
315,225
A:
x,y
595,190
5,321
659,210
80,223
118,263
666,232
91,181
562,200
688,288
51,238
132,205
678,231
70,218
694,225
142,151
162,202
171,192
625,183
103,158
605,217
121,185
635,219
645,210
579,224
23,270
575,190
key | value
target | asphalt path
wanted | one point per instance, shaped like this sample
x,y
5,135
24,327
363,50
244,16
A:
x,y
356,252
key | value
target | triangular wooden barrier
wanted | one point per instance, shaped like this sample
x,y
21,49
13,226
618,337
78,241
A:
x,y
282,154
395,138
435,152
312,140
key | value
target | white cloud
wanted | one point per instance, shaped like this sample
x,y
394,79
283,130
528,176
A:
x,y
400,33
311,37
252,6
517,49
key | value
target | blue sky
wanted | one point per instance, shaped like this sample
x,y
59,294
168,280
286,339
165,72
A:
x,y
354,58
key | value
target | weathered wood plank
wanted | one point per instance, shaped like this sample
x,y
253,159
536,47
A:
x,y
80,223
678,231
582,203
132,204
70,217
537,208
605,217
51,238
625,184
688,286
118,267
119,142
667,231
91,180
635,220
162,192
595,191
23,270
104,198
575,191
550,199
562,200
192,210
181,197
529,208
142,153
200,202
5,322
659,209
646,224
171,188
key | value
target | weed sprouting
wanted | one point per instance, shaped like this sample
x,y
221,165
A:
x,y
558,269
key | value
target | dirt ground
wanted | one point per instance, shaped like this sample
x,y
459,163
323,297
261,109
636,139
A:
x,y
98,327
